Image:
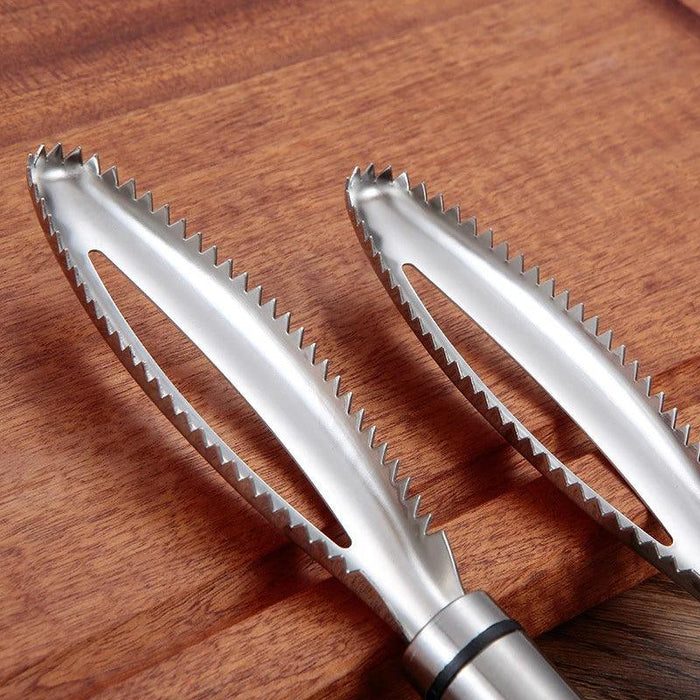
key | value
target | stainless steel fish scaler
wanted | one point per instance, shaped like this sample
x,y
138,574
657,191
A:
x,y
461,645
576,365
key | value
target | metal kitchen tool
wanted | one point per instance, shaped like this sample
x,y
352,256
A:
x,y
575,364
461,646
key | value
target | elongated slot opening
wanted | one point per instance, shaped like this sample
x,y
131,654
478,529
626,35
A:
x,y
532,405
216,400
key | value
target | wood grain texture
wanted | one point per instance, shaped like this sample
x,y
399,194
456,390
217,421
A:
x,y
126,566
642,644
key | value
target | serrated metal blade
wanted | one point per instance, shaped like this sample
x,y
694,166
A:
x,y
405,573
577,366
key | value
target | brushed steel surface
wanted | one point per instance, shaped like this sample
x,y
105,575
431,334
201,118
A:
x,y
551,341
412,572
510,667
404,572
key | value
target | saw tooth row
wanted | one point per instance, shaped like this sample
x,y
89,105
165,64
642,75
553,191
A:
x,y
530,276
151,378
157,386
494,411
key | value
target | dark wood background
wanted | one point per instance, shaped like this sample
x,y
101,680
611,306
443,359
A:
x,y
127,568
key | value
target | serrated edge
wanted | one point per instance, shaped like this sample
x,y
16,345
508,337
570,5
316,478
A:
x,y
337,560
496,413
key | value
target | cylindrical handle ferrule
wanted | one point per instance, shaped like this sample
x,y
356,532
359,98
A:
x,y
472,650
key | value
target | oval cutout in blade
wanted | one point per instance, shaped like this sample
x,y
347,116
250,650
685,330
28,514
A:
x,y
398,225
404,572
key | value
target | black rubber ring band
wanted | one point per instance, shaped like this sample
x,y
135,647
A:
x,y
467,653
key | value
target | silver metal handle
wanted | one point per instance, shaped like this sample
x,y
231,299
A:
x,y
471,650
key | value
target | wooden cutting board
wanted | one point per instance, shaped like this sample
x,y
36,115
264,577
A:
x,y
127,567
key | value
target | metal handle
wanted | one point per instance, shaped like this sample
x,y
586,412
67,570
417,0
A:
x,y
471,650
